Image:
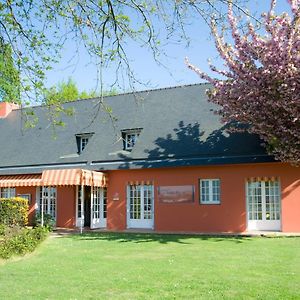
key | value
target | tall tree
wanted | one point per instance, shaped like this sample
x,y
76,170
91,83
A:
x,y
261,84
36,31
63,92
66,91
9,75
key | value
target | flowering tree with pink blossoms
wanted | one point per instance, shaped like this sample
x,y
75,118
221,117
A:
x,y
261,85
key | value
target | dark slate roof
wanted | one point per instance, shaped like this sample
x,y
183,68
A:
x,y
179,129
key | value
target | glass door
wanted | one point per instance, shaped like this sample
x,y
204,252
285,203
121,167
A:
x,y
98,207
48,201
140,211
263,205
79,206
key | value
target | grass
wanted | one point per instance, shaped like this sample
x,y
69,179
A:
x,y
144,266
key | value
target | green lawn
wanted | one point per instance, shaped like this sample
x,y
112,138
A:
x,y
144,266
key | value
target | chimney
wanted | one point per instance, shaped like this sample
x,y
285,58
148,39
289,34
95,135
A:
x,y
6,108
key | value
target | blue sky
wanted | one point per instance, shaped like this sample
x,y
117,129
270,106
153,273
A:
x,y
201,48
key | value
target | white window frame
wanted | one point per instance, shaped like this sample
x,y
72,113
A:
x,y
130,141
79,206
210,191
140,222
83,142
9,192
47,200
130,137
104,206
274,206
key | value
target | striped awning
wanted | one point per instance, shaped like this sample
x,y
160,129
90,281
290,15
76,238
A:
x,y
56,178
140,182
21,180
74,177
262,178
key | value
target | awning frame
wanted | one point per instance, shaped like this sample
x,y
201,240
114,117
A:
x,y
59,177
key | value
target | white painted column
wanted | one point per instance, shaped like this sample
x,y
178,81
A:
x,y
82,208
42,208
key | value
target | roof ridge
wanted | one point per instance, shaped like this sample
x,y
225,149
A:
x,y
123,94
145,91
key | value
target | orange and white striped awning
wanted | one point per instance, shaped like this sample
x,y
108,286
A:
x,y
140,182
262,178
56,178
74,177
21,180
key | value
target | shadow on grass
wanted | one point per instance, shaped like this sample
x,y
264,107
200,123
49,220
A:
x,y
153,237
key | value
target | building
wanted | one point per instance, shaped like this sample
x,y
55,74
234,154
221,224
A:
x,y
165,163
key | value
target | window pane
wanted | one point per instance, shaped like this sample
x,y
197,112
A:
x,y
7,192
140,202
135,202
48,201
79,213
210,191
104,203
131,139
84,142
254,200
272,200
147,202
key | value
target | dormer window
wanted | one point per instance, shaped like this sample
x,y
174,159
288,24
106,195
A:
x,y
82,140
130,137
83,143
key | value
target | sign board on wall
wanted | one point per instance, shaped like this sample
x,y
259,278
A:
x,y
176,194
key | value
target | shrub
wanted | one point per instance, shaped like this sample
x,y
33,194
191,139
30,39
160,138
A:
x,y
2,229
14,211
10,231
24,241
49,221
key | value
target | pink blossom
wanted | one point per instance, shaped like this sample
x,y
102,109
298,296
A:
x,y
262,80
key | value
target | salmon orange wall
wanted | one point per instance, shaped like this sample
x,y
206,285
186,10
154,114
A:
x,y
32,205
290,204
66,206
229,216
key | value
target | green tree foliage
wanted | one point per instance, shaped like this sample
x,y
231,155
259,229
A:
x,y
66,91
9,75
63,92
36,31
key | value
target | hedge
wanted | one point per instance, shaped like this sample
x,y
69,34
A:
x,y
2,229
14,211
21,241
